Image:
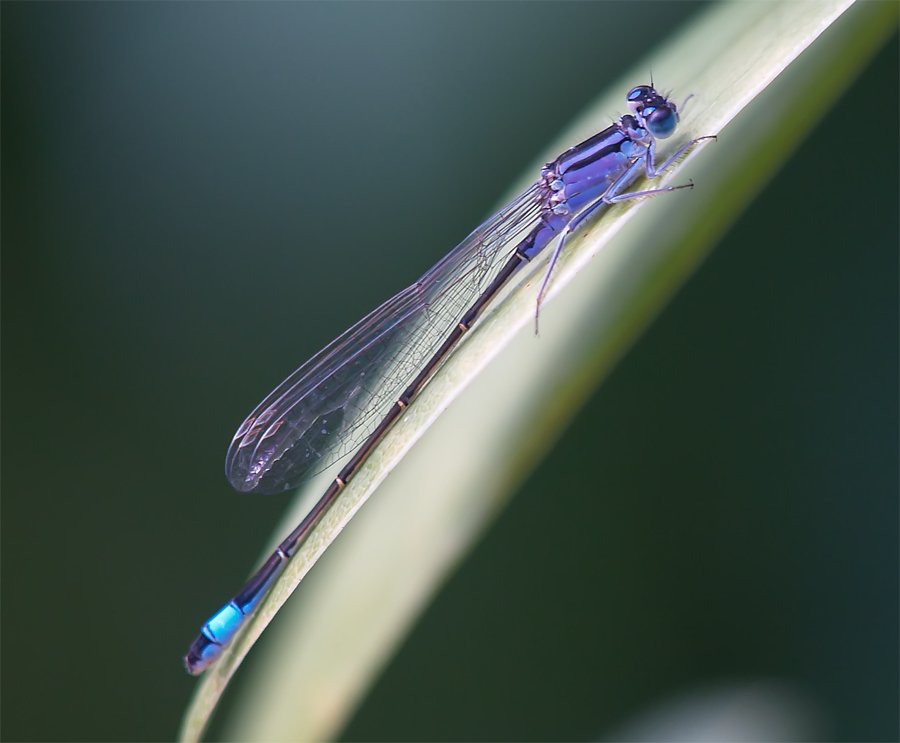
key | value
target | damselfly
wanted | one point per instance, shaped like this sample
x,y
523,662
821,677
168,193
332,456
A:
x,y
347,396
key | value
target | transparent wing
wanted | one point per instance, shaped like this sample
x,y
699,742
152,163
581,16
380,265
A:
x,y
329,406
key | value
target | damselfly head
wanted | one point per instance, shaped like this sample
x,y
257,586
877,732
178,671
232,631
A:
x,y
655,111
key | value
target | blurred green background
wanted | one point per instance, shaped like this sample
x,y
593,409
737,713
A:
x,y
197,197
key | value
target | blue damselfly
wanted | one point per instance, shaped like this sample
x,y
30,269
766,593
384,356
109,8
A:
x,y
346,398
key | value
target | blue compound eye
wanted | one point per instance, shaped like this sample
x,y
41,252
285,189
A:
x,y
661,122
644,92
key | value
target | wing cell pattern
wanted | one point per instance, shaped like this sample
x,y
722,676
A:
x,y
328,407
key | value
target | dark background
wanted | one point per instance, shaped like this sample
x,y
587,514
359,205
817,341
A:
x,y
197,197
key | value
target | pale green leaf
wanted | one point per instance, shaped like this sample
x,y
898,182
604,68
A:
x,y
761,74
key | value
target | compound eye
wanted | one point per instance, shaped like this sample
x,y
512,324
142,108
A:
x,y
637,93
661,122
638,98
